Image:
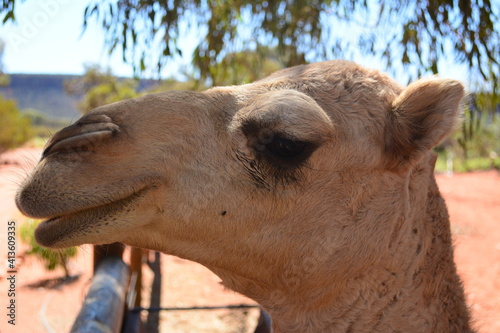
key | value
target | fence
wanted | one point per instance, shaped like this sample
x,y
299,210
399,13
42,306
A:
x,y
113,302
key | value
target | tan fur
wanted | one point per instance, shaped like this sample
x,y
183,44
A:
x,y
354,238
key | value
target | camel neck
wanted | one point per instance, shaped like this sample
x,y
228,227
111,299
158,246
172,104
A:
x,y
414,289
403,278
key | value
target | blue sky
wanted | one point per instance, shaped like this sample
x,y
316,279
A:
x,y
47,38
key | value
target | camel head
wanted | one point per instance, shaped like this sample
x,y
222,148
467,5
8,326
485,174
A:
x,y
313,175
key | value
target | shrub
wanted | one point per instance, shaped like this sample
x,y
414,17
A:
x,y
51,258
15,128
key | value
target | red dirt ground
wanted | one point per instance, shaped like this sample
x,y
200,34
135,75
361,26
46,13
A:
x,y
44,304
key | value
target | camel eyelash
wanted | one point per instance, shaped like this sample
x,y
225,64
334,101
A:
x,y
268,175
278,157
283,149
285,153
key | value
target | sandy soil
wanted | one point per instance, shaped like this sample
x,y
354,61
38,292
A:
x,y
44,303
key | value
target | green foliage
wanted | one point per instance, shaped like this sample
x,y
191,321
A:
x,y
472,164
15,128
413,34
51,258
100,88
470,131
474,145
4,79
480,130
172,85
233,69
8,7
409,35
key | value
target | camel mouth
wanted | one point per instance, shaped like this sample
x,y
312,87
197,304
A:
x,y
74,228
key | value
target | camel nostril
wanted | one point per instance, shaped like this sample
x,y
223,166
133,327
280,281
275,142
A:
x,y
81,142
80,139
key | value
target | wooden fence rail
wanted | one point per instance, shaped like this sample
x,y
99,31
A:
x,y
113,302
104,305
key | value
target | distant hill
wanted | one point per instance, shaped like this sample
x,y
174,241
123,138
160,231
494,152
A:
x,y
45,93
42,92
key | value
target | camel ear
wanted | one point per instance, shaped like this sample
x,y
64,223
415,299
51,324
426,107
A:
x,y
420,117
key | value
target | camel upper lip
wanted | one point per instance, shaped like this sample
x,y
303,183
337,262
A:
x,y
104,204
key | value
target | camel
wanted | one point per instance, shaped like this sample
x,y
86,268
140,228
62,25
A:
x,y
310,191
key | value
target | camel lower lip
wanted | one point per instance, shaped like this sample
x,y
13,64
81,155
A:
x,y
48,233
58,231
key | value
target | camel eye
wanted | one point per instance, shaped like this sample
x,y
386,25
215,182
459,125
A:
x,y
286,153
277,154
285,149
